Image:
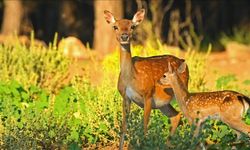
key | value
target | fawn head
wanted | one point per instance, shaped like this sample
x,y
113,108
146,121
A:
x,y
124,27
172,74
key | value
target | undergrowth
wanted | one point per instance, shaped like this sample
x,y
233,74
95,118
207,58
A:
x,y
81,115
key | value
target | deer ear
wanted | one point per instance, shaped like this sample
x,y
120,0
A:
x,y
170,69
182,67
109,17
138,17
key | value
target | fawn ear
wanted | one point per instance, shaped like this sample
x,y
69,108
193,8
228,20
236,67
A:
x,y
170,69
182,67
109,17
138,17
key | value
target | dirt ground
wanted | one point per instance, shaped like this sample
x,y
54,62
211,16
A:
x,y
224,63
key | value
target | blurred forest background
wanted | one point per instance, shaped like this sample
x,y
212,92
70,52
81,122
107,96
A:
x,y
193,23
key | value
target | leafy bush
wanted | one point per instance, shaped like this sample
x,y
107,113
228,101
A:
x,y
33,118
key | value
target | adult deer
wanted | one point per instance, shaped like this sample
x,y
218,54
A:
x,y
138,79
228,106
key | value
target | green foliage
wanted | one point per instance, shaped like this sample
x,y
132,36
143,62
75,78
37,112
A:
x,y
33,118
157,133
32,65
184,139
226,82
81,115
246,82
240,35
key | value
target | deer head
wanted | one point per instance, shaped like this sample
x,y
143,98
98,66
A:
x,y
171,74
124,27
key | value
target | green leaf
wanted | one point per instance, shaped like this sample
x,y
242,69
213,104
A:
x,y
103,127
24,95
34,89
5,89
74,146
224,131
43,97
224,81
15,84
74,135
15,92
247,120
246,82
20,125
52,134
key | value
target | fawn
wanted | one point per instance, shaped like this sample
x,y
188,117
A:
x,y
228,106
138,79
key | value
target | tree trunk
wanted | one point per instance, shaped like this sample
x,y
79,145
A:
x,y
158,13
13,12
104,37
156,9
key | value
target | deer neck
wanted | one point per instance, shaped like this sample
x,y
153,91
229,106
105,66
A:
x,y
181,93
126,65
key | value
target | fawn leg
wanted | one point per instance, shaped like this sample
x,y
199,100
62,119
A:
x,y
125,113
198,125
238,125
174,116
147,111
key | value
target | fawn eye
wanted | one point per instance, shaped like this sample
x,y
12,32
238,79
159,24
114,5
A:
x,y
133,27
164,76
115,27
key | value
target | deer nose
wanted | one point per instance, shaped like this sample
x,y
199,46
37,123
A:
x,y
124,37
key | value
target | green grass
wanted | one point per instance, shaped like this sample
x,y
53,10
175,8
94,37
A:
x,y
80,115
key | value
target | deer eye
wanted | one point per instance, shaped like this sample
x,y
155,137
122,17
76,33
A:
x,y
164,76
115,27
133,27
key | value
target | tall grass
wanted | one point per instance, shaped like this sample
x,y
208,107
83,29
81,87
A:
x,y
32,65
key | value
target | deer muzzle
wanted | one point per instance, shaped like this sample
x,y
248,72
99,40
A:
x,y
124,38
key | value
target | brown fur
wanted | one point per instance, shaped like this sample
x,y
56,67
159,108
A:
x,y
138,79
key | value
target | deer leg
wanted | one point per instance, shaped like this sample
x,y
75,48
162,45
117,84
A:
x,y
147,111
174,116
125,113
